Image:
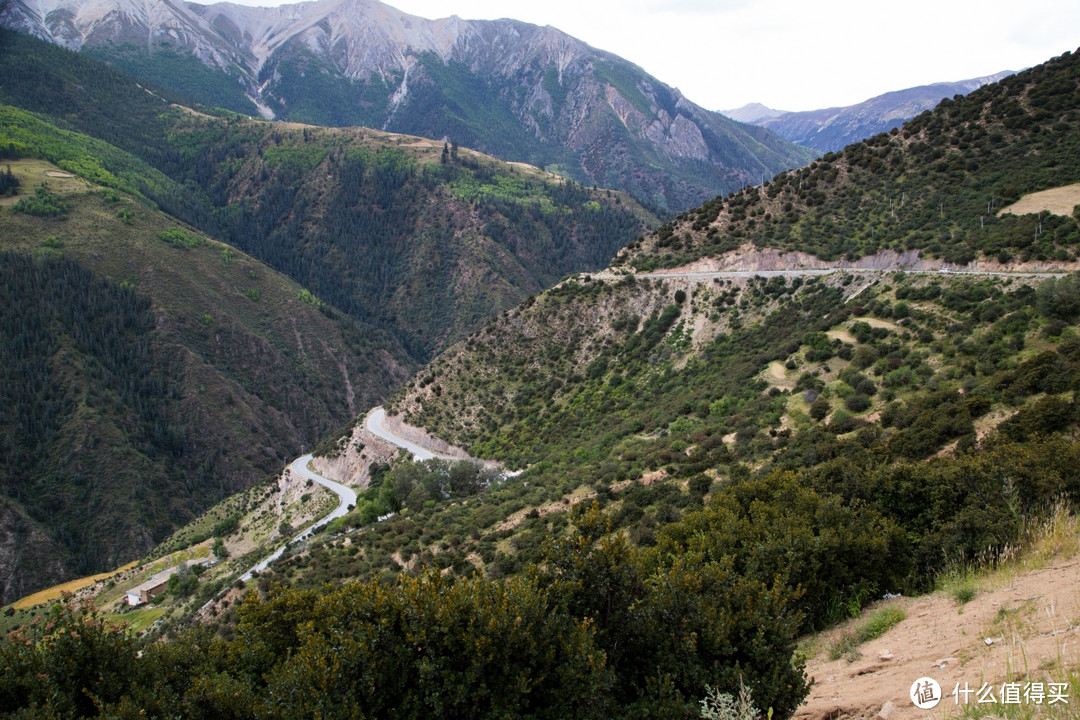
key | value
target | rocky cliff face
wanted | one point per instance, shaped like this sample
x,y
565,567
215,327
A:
x,y
515,90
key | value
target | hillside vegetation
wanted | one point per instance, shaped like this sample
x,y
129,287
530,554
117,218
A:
x,y
511,89
935,185
150,371
712,465
423,239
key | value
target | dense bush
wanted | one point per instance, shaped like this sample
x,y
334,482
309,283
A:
x,y
598,630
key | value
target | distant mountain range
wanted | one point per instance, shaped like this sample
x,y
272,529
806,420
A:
x,y
833,128
510,89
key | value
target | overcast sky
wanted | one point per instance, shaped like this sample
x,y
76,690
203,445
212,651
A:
x,y
797,54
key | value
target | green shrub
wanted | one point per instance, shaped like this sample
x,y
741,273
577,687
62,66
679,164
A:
x,y
181,239
43,204
880,622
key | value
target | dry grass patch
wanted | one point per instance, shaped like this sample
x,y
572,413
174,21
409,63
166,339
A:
x,y
1059,201
56,591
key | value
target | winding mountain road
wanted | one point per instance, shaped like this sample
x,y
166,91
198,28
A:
x,y
375,423
346,500
720,274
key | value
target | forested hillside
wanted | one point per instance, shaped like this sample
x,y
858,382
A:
x,y
397,231
421,238
517,91
149,372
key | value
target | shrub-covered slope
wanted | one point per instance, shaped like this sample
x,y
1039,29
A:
x,y
712,463
935,185
648,391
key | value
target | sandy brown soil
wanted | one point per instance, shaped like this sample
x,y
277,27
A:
x,y
1031,620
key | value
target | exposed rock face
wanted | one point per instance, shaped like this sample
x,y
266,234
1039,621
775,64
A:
x,y
750,258
515,90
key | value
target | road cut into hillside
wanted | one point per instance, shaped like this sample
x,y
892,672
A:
x,y
346,501
420,443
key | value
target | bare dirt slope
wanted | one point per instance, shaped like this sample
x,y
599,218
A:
x,y
1032,620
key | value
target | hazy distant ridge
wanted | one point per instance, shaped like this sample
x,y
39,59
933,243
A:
x,y
831,129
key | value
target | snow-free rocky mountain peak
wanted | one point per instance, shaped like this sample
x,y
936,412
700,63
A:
x,y
512,89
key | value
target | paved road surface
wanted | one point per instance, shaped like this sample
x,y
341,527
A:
x,y
346,499
375,424
705,275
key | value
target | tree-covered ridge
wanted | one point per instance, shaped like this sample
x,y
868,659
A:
x,y
417,237
124,426
373,223
934,185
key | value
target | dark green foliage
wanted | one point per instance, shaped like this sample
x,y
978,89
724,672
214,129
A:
x,y
1060,298
93,379
64,665
9,184
183,73
183,582
226,527
600,631
414,484
1045,416
475,648
936,418
670,625
219,549
959,507
776,530
42,204
59,323
180,239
